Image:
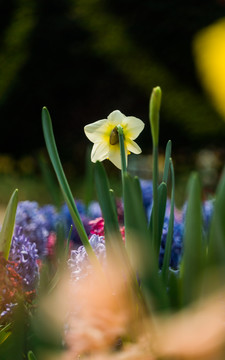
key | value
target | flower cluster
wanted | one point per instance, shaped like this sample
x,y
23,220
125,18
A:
x,y
36,223
11,289
79,262
25,255
68,221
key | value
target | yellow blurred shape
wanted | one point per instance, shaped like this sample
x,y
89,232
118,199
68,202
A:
x,y
209,54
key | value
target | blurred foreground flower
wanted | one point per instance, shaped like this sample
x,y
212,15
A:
x,y
99,310
106,321
197,332
103,133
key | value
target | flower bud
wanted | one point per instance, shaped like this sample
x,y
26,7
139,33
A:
x,y
154,107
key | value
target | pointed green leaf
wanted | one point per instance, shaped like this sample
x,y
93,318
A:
x,y
5,332
107,204
162,198
122,149
54,156
167,161
8,225
192,262
139,246
31,356
169,238
174,289
216,250
134,214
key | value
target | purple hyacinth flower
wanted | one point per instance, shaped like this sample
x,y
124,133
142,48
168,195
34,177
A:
x,y
34,224
147,193
207,212
25,254
79,262
177,243
94,210
51,216
68,221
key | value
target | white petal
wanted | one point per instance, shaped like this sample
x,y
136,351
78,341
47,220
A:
x,y
115,157
100,152
133,147
116,117
132,127
96,130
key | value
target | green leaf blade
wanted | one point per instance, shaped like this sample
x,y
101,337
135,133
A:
x,y
139,246
192,263
31,355
54,156
216,249
169,238
107,204
8,225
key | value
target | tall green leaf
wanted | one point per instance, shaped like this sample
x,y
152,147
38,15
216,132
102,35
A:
x,y
192,263
162,198
169,238
8,225
139,246
54,156
31,355
216,249
107,204
167,161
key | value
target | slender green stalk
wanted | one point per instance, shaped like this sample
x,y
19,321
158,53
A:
x,y
122,150
154,107
167,161
155,226
123,175
31,356
169,238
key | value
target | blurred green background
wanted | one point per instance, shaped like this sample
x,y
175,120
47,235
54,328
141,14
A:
x,y
85,58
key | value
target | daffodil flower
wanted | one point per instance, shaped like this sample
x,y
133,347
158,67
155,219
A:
x,y
104,134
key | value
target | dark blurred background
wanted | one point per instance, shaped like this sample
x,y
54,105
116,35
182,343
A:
x,y
85,58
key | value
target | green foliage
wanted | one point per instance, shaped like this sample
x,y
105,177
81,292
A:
x,y
53,153
160,290
6,232
108,207
217,230
192,265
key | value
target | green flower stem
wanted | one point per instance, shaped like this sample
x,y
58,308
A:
x,y
155,231
169,238
154,107
122,150
125,199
